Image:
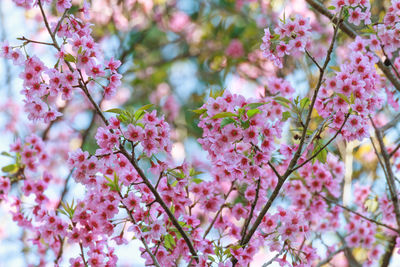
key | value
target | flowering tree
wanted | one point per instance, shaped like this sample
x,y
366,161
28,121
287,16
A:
x,y
277,181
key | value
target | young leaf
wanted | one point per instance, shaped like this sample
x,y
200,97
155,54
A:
x,y
12,168
255,105
169,241
199,111
226,121
197,180
115,110
139,114
146,107
224,115
283,101
69,58
252,112
304,102
4,153
321,155
344,97
285,115
335,68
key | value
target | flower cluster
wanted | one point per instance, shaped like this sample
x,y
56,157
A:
x,y
289,37
269,180
388,33
358,10
79,61
30,153
353,90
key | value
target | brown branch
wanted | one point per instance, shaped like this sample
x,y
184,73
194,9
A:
x,y
377,155
82,252
347,252
274,170
390,124
253,205
324,146
390,176
60,252
159,200
26,41
218,212
357,213
389,252
330,257
394,150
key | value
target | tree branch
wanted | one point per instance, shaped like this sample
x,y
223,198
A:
x,y
389,172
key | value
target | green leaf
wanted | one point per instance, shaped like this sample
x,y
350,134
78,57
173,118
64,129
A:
x,y
335,68
139,114
224,115
245,124
216,93
255,105
283,101
197,180
69,58
12,168
122,118
321,155
304,102
113,184
115,110
286,115
146,107
169,241
344,97
199,111
62,212
331,8
193,172
4,153
369,29
226,121
252,112
352,98
211,258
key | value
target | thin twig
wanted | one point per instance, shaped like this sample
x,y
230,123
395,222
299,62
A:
x,y
313,60
377,155
253,206
330,257
153,257
324,146
391,123
390,176
275,257
218,212
26,40
357,213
